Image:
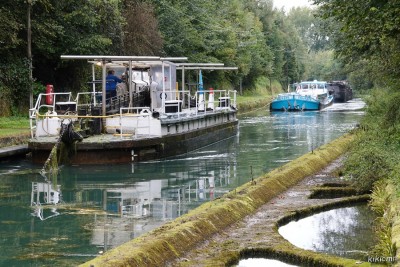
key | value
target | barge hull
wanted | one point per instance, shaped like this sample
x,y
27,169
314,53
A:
x,y
135,150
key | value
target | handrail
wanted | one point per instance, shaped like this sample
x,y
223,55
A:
x,y
34,112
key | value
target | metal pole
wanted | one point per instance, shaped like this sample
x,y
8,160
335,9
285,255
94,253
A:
x,y
240,86
93,78
163,87
183,88
29,52
130,84
103,90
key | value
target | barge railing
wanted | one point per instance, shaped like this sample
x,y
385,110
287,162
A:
x,y
47,101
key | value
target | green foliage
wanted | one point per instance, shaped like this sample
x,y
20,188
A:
x,y
361,76
368,162
375,155
14,86
9,29
141,33
249,34
366,32
311,28
381,199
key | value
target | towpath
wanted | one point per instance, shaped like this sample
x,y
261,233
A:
x,y
257,234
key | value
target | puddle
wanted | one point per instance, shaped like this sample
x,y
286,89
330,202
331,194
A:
x,y
345,232
258,262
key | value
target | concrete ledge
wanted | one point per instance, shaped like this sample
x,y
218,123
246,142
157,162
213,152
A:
x,y
17,139
13,151
172,240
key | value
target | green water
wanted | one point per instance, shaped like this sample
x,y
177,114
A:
x,y
90,209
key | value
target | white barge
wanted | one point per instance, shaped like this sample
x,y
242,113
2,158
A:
x,y
152,116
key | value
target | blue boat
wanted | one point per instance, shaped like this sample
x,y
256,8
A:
x,y
309,95
294,102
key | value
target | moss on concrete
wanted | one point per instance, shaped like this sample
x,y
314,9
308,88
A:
x,y
332,192
16,139
173,239
302,213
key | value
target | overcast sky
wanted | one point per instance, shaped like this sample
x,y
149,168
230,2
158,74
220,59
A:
x,y
288,4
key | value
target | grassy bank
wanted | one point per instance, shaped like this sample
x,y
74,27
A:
x,y
14,131
13,126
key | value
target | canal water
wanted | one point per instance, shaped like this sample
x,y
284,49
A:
x,y
90,209
346,232
258,262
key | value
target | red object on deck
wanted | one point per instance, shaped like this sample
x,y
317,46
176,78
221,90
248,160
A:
x,y
49,96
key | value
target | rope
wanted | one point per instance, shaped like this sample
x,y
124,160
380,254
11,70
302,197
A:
x,y
53,154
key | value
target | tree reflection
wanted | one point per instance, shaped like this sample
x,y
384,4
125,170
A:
x,y
346,232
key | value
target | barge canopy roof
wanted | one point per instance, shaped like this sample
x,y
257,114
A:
x,y
122,58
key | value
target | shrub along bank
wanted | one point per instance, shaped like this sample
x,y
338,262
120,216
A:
x,y
374,164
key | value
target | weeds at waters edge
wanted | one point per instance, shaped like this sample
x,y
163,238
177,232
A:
x,y
381,203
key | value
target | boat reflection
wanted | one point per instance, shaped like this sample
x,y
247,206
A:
x,y
127,205
45,193
311,127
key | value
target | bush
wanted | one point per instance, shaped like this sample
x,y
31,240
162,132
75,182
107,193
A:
x,y
14,87
375,154
368,162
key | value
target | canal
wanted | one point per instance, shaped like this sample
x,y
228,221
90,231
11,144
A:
x,y
90,209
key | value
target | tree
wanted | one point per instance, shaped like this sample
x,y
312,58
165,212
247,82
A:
x,y
141,35
366,31
311,28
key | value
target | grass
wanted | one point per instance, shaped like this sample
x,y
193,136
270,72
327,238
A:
x,y
11,126
261,90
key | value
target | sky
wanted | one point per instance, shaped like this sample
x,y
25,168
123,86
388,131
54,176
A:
x,y
288,4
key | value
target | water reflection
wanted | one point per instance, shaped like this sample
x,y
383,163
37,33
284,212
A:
x,y
129,200
99,207
254,262
45,193
346,232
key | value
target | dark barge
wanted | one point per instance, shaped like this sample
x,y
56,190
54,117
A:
x,y
341,91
